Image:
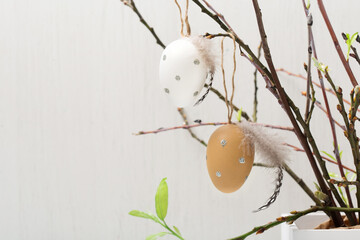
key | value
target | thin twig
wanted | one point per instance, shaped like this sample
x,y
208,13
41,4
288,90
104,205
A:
x,y
254,116
318,104
350,131
352,217
184,117
315,83
323,157
187,126
353,143
131,4
308,69
355,54
344,183
336,43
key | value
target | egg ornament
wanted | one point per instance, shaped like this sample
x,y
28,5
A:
x,y
229,158
183,70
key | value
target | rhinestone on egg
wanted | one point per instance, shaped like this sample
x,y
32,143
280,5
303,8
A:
x,y
177,78
223,142
166,90
164,57
218,174
242,160
196,62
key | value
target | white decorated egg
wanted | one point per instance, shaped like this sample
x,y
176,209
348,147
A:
x,y
183,71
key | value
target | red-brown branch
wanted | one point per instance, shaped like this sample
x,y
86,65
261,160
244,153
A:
x,y
336,43
325,158
315,83
185,126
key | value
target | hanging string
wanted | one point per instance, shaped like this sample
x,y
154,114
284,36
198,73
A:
x,y
188,29
181,19
233,77
230,107
223,74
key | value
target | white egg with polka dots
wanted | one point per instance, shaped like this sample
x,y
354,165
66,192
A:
x,y
183,71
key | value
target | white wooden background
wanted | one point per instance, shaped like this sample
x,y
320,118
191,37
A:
x,y
77,78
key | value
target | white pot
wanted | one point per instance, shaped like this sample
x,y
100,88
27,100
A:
x,y
303,229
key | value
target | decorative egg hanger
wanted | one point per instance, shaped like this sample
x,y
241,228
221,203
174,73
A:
x,y
230,154
185,64
231,148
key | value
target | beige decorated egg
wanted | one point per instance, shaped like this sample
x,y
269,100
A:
x,y
230,156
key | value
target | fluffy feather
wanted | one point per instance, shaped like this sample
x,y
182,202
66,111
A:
x,y
206,51
268,146
271,151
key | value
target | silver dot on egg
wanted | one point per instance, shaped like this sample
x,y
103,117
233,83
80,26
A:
x,y
223,142
166,90
164,57
177,78
218,174
196,62
242,160
196,93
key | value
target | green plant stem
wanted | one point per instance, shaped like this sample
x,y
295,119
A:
x,y
292,218
173,232
308,70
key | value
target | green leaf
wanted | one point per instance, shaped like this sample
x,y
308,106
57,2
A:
x,y
239,115
353,177
161,199
353,38
308,4
349,42
344,198
156,235
321,196
329,155
137,213
177,230
333,175
320,66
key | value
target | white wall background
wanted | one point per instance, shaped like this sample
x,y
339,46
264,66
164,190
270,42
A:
x,y
77,78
